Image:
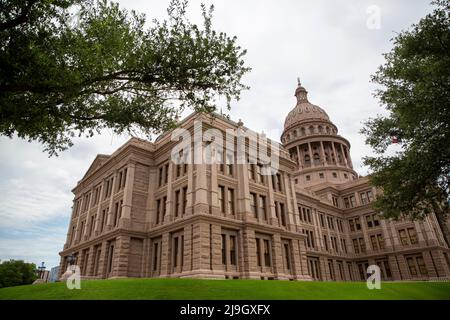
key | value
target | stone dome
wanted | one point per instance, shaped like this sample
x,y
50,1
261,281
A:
x,y
304,110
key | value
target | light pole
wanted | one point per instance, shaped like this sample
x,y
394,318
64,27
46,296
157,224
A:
x,y
41,269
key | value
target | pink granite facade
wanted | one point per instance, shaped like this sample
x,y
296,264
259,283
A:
x,y
138,214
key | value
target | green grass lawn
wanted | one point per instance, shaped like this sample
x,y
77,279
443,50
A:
x,y
191,289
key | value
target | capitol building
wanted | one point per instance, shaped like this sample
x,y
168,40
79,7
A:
x,y
137,213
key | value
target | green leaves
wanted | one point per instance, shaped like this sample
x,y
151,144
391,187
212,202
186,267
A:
x,y
82,66
16,272
415,89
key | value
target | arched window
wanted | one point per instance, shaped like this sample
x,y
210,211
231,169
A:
x,y
311,130
307,161
303,131
328,130
320,129
316,159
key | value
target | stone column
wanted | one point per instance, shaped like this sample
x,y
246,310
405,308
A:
x,y
311,155
201,204
125,219
188,247
247,256
109,220
277,256
85,234
290,209
271,214
215,208
201,255
300,158
322,151
386,235
428,258
190,186
75,238
98,218
216,250
243,193
343,155
335,154
303,271
420,237
90,263
103,260
165,255
150,219
295,218
122,252
431,236
169,203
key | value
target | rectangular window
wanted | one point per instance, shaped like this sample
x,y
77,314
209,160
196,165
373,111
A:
x,y
230,164
155,256
175,252
283,214
279,184
411,266
222,198
251,172
403,237
263,207
163,208
233,250
287,256
346,202
322,221
355,245
421,264
357,224
412,235
178,170
353,201
230,201
259,174
224,249
166,173
160,176
380,241
373,241
183,211
363,198
253,205
267,253
351,224
158,210
258,251
362,245
177,203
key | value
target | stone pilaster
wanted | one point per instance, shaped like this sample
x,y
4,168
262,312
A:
x,y
201,255
121,254
169,203
125,218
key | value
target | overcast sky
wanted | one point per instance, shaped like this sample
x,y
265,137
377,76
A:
x,y
328,44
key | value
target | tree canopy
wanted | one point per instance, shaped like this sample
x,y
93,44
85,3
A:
x,y
415,90
74,67
16,273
